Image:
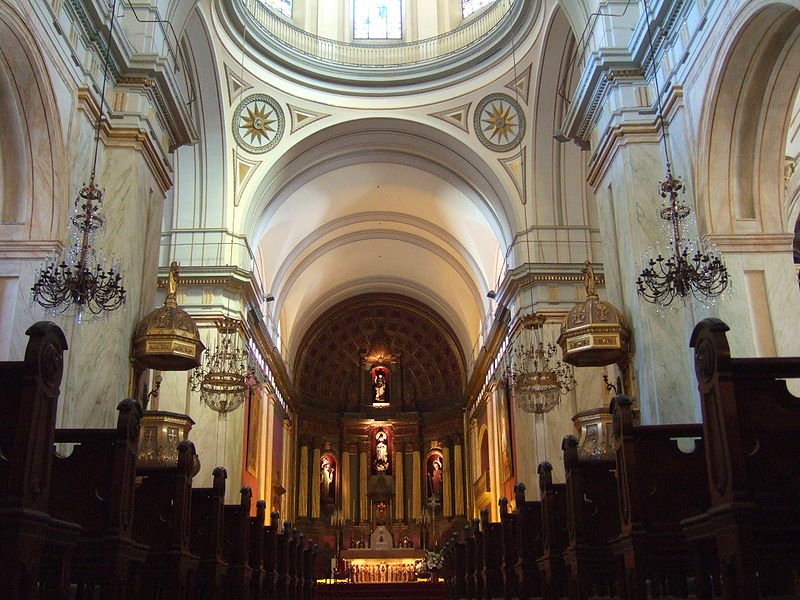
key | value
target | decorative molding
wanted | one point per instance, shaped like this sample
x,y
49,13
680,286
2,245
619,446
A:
x,y
516,167
29,249
458,116
301,117
127,136
263,122
521,85
235,84
753,242
243,170
502,117
609,66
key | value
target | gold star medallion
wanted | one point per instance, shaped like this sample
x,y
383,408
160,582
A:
x,y
499,122
258,123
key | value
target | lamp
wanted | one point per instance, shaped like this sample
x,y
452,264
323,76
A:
x,y
77,279
687,268
536,376
538,379
225,374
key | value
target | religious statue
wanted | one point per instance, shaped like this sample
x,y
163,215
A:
x,y
381,452
172,280
435,476
589,280
327,477
380,387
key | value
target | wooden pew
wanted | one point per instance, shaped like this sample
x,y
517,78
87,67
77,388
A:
x,y
529,544
593,520
237,545
309,570
271,556
751,429
659,484
459,585
492,557
256,552
299,575
291,563
554,534
162,520
469,562
477,565
94,487
448,569
508,534
282,561
28,534
207,534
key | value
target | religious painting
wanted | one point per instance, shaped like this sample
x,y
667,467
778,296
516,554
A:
x,y
434,469
506,449
253,429
380,377
327,479
382,455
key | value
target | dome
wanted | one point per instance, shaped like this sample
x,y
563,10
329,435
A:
x,y
167,338
594,333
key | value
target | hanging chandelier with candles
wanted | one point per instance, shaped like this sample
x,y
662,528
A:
x,y
225,374
78,280
686,269
538,378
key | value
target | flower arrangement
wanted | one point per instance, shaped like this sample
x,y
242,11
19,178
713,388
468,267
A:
x,y
434,561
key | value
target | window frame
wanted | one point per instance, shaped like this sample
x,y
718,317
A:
x,y
475,11
387,38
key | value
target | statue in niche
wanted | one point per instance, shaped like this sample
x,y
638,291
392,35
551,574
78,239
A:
x,y
380,385
327,478
435,472
381,452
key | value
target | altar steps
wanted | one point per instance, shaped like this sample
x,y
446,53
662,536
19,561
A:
x,y
381,591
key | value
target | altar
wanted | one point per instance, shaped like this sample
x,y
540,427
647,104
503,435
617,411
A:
x,y
390,565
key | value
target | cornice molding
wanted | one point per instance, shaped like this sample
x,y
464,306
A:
x,y
29,249
610,67
759,243
128,136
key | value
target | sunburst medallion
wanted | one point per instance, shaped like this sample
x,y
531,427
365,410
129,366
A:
x,y
258,123
499,122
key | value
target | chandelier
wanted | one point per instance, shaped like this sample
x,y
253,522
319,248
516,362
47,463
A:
x,y
76,279
225,374
537,377
690,268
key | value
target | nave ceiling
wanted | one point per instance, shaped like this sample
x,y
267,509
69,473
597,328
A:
x,y
364,194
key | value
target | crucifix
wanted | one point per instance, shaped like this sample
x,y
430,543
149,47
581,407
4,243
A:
x,y
433,503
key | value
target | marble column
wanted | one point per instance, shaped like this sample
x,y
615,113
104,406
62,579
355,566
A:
x,y
416,490
363,501
399,497
344,482
302,496
314,477
458,469
447,482
268,474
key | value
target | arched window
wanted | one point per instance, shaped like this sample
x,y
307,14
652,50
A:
x,y
282,6
470,6
377,20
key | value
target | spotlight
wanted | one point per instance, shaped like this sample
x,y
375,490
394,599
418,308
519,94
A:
x,y
491,294
270,298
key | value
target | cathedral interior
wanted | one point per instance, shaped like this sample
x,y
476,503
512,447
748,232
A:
x,y
377,258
